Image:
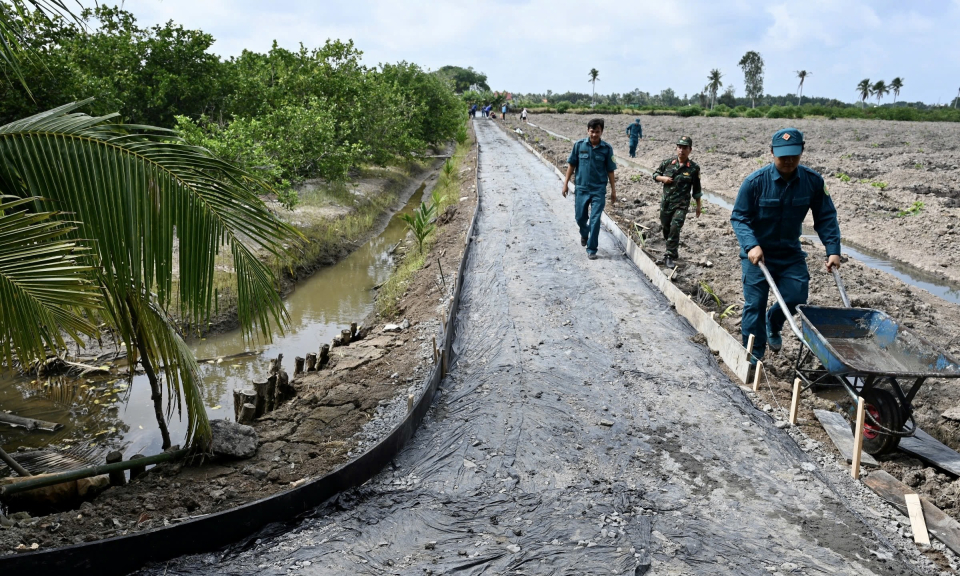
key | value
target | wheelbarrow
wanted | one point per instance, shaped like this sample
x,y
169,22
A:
x,y
871,356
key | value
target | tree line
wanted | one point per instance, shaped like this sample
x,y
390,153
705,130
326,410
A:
x,y
285,115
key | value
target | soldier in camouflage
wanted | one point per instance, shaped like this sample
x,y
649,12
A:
x,y
681,178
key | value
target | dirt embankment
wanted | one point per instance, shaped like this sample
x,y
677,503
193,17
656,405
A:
x,y
709,254
336,414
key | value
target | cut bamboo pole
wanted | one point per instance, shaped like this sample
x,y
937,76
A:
x,y
795,401
858,439
13,464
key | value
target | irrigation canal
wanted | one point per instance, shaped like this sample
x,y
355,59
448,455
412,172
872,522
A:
x,y
103,416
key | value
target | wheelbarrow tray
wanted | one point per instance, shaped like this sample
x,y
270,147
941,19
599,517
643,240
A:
x,y
865,342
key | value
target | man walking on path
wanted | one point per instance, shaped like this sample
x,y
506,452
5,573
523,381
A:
x,y
592,161
635,132
681,178
767,218
523,115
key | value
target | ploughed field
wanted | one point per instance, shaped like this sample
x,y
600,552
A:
x,y
917,162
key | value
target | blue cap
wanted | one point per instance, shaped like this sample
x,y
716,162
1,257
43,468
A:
x,y
787,142
638,119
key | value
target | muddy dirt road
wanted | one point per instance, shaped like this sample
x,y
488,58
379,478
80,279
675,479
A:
x,y
580,431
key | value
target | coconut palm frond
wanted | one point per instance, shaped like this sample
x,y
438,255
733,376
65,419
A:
x,y
12,50
43,290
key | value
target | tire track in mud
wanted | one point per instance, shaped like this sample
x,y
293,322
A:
x,y
579,431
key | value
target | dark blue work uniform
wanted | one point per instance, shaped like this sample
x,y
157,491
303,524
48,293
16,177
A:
x,y
769,213
635,132
592,163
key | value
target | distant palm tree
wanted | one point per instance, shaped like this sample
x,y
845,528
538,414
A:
x,y
880,90
714,84
864,88
895,85
593,78
802,75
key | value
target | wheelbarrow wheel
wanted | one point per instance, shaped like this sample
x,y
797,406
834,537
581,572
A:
x,y
882,405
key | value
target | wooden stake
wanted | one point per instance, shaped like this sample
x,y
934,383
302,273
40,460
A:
x,y
795,401
137,471
117,478
756,375
443,363
435,353
858,439
409,403
917,523
311,362
324,356
750,340
297,366
712,316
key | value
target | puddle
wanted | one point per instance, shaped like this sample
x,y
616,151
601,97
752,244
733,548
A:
x,y
100,416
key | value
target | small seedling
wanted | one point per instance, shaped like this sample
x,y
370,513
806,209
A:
x,y
918,166
637,178
727,312
878,184
640,235
875,145
913,210
419,223
843,177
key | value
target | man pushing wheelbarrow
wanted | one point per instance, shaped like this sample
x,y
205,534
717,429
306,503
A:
x,y
767,219
863,350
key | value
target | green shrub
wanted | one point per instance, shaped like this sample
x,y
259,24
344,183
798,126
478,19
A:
x,y
688,111
562,107
714,113
733,114
722,108
775,112
741,109
753,113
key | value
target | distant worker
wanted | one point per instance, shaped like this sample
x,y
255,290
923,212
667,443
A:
x,y
635,132
523,115
504,112
681,178
767,219
473,111
592,161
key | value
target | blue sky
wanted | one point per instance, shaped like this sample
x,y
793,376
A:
x,y
536,45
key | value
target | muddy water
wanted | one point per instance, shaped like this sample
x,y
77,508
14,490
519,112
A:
x,y
115,415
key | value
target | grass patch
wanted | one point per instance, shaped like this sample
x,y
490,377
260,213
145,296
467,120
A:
x,y
843,177
913,210
445,194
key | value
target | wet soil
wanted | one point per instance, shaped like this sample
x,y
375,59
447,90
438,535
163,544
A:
x,y
709,256
337,412
580,431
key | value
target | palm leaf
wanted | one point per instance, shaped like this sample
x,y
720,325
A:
x,y
42,288
134,191
12,49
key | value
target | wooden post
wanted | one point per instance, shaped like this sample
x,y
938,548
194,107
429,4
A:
x,y
345,336
247,413
324,356
297,366
337,341
917,523
756,375
277,364
311,362
353,331
261,401
270,393
137,471
750,340
712,316
795,401
237,404
409,403
435,353
858,439
443,363
117,478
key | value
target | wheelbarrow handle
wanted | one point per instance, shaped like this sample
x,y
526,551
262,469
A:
x,y
783,305
843,292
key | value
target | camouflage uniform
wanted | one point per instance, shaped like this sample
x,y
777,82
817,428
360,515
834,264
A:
x,y
676,198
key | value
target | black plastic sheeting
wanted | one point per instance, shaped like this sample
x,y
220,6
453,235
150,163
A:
x,y
580,431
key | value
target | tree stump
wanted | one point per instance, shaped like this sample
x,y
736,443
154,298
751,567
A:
x,y
137,471
324,356
277,364
297,366
270,394
311,362
337,341
117,478
353,331
345,336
